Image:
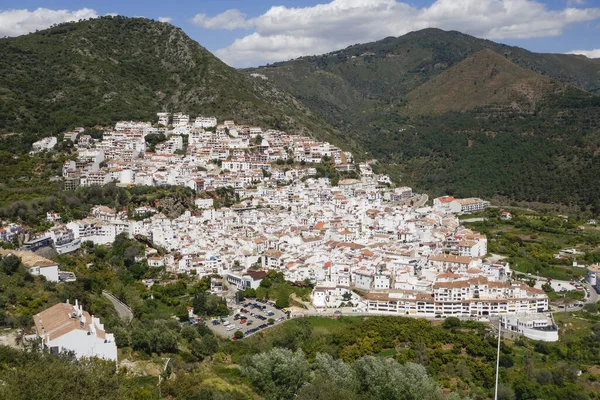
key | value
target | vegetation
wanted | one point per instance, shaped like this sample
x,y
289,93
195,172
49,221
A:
x,y
276,288
172,201
100,71
442,112
307,358
532,242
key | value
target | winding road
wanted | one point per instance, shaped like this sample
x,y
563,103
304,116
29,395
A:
x,y
421,202
122,309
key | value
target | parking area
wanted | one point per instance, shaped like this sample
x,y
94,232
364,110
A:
x,y
249,317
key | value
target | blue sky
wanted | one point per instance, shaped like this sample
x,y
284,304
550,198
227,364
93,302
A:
x,y
248,33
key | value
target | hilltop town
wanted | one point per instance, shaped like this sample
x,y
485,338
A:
x,y
358,241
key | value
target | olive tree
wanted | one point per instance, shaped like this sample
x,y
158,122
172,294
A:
x,y
277,374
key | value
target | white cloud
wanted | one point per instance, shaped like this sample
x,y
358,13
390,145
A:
x,y
230,19
165,19
20,22
286,32
595,53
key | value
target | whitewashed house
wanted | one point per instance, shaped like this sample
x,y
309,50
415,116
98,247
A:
x,y
66,327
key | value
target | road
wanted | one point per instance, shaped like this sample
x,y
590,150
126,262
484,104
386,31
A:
x,y
478,219
122,309
421,202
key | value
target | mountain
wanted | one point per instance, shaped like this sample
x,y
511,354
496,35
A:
x,y
485,78
450,113
442,111
103,70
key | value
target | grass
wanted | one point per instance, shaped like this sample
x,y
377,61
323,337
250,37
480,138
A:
x,y
572,295
332,325
531,241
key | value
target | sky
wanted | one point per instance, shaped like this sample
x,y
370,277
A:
x,y
246,33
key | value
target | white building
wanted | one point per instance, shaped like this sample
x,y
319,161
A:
x,y
205,122
94,230
532,326
245,281
163,118
180,119
48,269
66,327
37,265
52,216
46,143
449,204
593,276
204,204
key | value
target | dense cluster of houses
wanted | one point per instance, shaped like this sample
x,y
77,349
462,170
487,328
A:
x,y
357,237
361,243
202,155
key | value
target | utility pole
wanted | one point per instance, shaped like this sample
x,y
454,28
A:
x,y
565,321
498,358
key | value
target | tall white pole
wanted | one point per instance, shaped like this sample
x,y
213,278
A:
x,y
498,358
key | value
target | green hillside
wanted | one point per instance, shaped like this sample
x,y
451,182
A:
x,y
450,113
484,79
103,70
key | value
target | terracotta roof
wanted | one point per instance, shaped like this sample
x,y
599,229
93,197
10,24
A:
x,y
273,253
451,259
445,199
56,321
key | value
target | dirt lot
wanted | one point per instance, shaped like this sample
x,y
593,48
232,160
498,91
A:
x,y
8,338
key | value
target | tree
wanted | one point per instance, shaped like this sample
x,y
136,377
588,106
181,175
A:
x,y
277,374
238,334
205,346
451,323
295,333
189,333
590,308
10,264
236,266
505,392
506,361
283,300
155,338
381,379
321,389
335,371
95,378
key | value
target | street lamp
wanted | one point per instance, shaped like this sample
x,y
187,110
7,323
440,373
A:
x,y
498,358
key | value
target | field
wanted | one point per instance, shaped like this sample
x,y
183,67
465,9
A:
x,y
532,242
